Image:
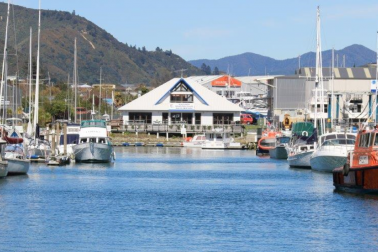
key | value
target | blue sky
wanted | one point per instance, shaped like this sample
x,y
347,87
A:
x,y
212,29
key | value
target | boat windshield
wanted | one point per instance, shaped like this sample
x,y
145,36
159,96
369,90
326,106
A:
x,y
93,123
339,142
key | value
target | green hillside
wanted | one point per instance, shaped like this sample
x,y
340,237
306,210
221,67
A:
x,y
121,63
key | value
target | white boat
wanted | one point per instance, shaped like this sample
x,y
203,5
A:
x,y
94,144
72,139
220,141
333,151
299,155
17,163
300,152
195,142
38,148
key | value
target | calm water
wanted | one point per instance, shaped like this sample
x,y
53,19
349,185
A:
x,y
175,199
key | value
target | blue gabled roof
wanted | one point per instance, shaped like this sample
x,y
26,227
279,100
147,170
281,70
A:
x,y
186,84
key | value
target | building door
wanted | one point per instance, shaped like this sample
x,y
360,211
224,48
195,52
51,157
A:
x,y
187,117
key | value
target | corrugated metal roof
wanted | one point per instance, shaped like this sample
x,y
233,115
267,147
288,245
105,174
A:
x,y
340,73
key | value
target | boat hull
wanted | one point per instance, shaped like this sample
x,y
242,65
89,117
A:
x,y
3,169
17,166
93,153
278,153
300,160
324,163
361,180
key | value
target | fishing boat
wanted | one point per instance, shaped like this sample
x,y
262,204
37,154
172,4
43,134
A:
x,y
94,144
195,142
332,152
360,173
279,151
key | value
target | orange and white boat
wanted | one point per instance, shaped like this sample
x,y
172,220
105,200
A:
x,y
267,141
360,173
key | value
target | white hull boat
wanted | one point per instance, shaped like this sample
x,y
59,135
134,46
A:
x,y
300,158
333,151
195,142
93,153
17,166
94,145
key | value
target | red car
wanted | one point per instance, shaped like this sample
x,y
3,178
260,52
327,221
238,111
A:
x,y
246,119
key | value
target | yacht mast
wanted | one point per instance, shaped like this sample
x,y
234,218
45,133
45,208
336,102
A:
x,y
3,78
75,81
36,100
319,76
99,102
30,128
333,77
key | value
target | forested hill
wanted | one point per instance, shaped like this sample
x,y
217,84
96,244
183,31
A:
x,y
121,63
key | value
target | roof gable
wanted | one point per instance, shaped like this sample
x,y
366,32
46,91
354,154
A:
x,y
181,84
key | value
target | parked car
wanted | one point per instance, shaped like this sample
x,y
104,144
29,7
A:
x,y
246,119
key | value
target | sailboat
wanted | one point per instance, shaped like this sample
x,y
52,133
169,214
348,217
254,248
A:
x,y
38,148
300,151
14,153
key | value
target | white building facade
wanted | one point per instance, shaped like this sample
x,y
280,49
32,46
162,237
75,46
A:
x,y
181,101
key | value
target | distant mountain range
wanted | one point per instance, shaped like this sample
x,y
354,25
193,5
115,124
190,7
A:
x,y
120,62
255,64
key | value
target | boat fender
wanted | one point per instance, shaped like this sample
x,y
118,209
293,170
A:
x,y
346,169
304,133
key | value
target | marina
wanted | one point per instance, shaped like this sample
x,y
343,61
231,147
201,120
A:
x,y
112,146
184,198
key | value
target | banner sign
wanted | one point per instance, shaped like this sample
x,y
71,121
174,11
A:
x,y
181,106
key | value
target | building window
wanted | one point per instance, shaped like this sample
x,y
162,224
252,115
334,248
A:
x,y
198,118
165,118
219,118
187,117
181,98
137,117
175,117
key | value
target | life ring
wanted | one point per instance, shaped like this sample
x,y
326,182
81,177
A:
x,y
304,133
188,139
346,169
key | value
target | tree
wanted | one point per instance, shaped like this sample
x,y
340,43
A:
x,y
208,70
204,67
216,71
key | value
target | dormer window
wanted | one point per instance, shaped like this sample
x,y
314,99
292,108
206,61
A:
x,y
181,97
181,94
